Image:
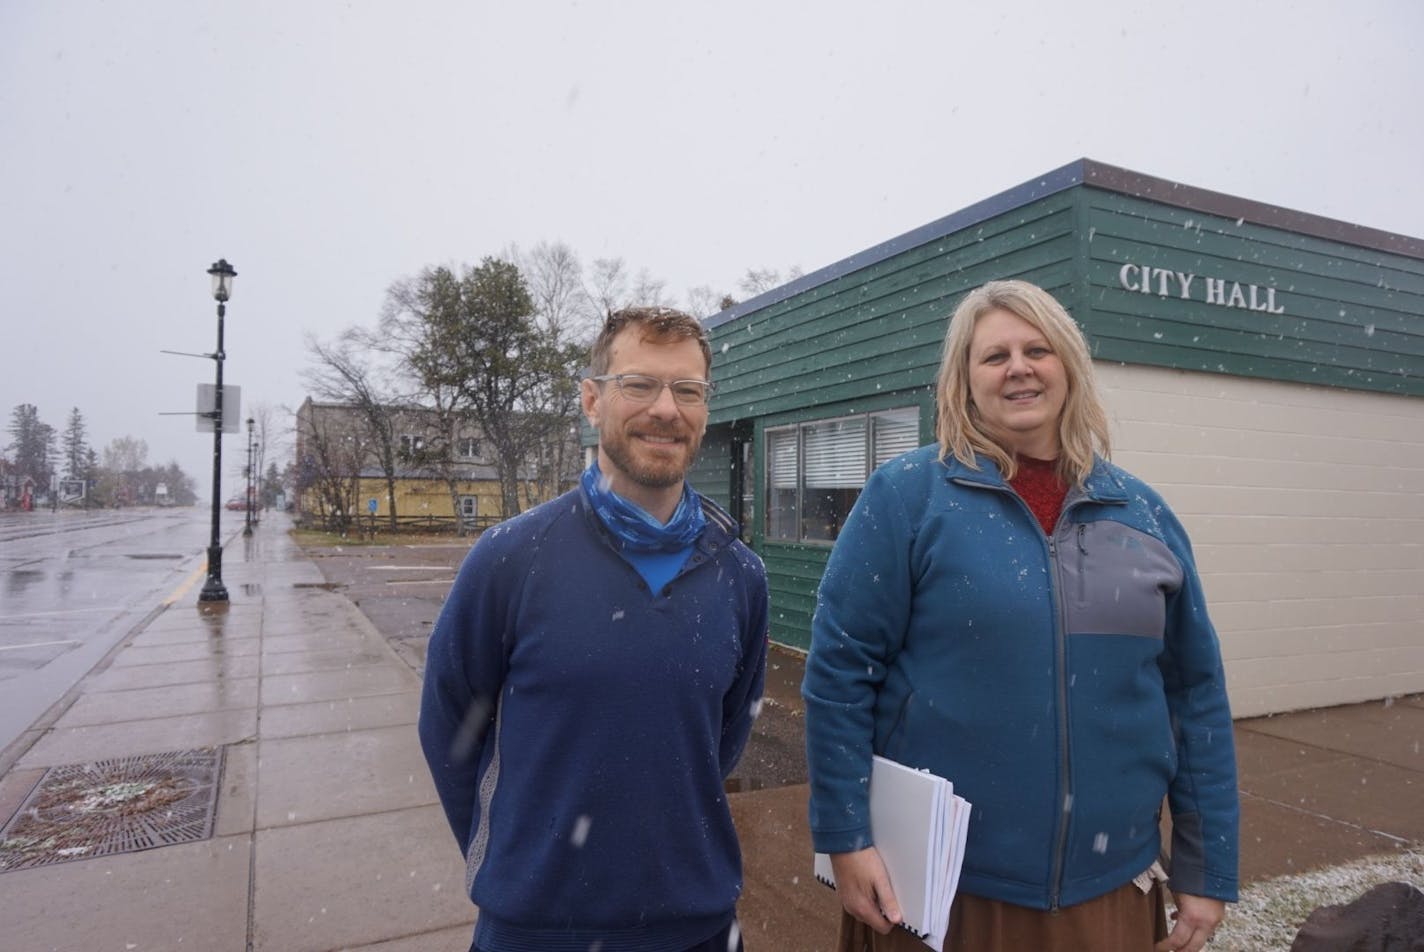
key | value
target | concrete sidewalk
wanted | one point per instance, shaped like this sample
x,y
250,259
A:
x,y
327,834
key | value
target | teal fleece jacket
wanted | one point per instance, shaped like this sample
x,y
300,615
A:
x,y
1065,684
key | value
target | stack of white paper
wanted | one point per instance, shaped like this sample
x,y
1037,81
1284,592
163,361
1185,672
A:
x,y
918,825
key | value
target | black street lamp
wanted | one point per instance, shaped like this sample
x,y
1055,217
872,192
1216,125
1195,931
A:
x,y
247,529
213,588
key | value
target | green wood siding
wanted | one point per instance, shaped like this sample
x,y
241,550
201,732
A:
x,y
711,473
880,329
792,574
1351,315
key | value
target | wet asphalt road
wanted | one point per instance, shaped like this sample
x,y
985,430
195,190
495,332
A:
x,y
401,588
73,583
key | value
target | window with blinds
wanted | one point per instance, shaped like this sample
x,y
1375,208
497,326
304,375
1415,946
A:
x,y
781,495
815,470
895,432
835,454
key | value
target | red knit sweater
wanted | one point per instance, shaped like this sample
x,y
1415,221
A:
x,y
1038,484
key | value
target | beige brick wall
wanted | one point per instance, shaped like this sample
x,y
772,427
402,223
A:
x,y
1306,510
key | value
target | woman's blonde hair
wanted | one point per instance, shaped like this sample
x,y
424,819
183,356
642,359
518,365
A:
x,y
1083,424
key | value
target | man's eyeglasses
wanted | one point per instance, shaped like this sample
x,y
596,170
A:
x,y
642,388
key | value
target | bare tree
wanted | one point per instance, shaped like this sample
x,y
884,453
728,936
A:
x,y
342,372
126,454
608,284
703,302
266,433
564,306
124,458
330,467
565,313
649,291
611,287
760,280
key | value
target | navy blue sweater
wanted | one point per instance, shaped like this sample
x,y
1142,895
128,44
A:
x,y
578,727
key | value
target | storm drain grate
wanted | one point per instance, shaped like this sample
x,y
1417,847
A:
x,y
124,805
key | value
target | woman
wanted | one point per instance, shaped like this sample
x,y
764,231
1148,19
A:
x,y
1011,611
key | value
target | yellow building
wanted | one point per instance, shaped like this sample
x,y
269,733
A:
x,y
438,468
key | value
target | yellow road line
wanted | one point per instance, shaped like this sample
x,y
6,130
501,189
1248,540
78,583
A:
x,y
187,584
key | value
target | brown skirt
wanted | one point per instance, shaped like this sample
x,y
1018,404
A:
x,y
1124,920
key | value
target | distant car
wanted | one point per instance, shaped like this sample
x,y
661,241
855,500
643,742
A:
x,y
236,503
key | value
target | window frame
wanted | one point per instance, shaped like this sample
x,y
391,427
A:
x,y
798,509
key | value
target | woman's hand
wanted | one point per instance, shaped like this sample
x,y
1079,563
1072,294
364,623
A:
x,y
1197,919
864,888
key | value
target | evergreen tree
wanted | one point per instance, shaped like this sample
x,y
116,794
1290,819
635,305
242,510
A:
x,y
33,448
271,486
92,473
76,450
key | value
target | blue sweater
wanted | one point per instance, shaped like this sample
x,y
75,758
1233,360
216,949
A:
x,y
1063,683
579,726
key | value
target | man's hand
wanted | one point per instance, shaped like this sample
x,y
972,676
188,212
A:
x,y
1197,919
864,888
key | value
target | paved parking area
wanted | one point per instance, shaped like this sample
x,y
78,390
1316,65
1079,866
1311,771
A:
x,y
401,588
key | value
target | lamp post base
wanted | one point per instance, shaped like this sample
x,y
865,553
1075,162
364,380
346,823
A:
x,y
213,588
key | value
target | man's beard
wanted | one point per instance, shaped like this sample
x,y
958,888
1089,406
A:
x,y
657,473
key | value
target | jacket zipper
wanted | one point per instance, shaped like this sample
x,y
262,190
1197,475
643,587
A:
x,y
1060,651
1082,565
1060,647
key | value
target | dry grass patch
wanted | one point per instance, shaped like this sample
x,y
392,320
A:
x,y
319,539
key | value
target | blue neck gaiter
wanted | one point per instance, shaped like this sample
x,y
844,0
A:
x,y
633,528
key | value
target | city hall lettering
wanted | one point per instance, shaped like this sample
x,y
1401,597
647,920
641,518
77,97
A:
x,y
1165,281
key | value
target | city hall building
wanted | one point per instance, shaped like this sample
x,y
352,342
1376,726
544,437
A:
x,y
1264,370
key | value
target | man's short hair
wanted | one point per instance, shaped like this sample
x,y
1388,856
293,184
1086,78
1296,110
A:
x,y
658,325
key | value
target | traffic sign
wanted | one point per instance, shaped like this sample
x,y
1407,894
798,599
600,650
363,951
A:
x,y
208,403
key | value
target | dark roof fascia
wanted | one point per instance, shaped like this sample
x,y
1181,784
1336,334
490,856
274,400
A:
x,y
1165,192
1098,175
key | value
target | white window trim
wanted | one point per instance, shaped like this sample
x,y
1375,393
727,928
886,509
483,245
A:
x,y
871,456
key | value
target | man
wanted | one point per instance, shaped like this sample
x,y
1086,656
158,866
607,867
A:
x,y
594,675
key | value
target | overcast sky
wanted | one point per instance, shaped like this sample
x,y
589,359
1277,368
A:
x,y
328,148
